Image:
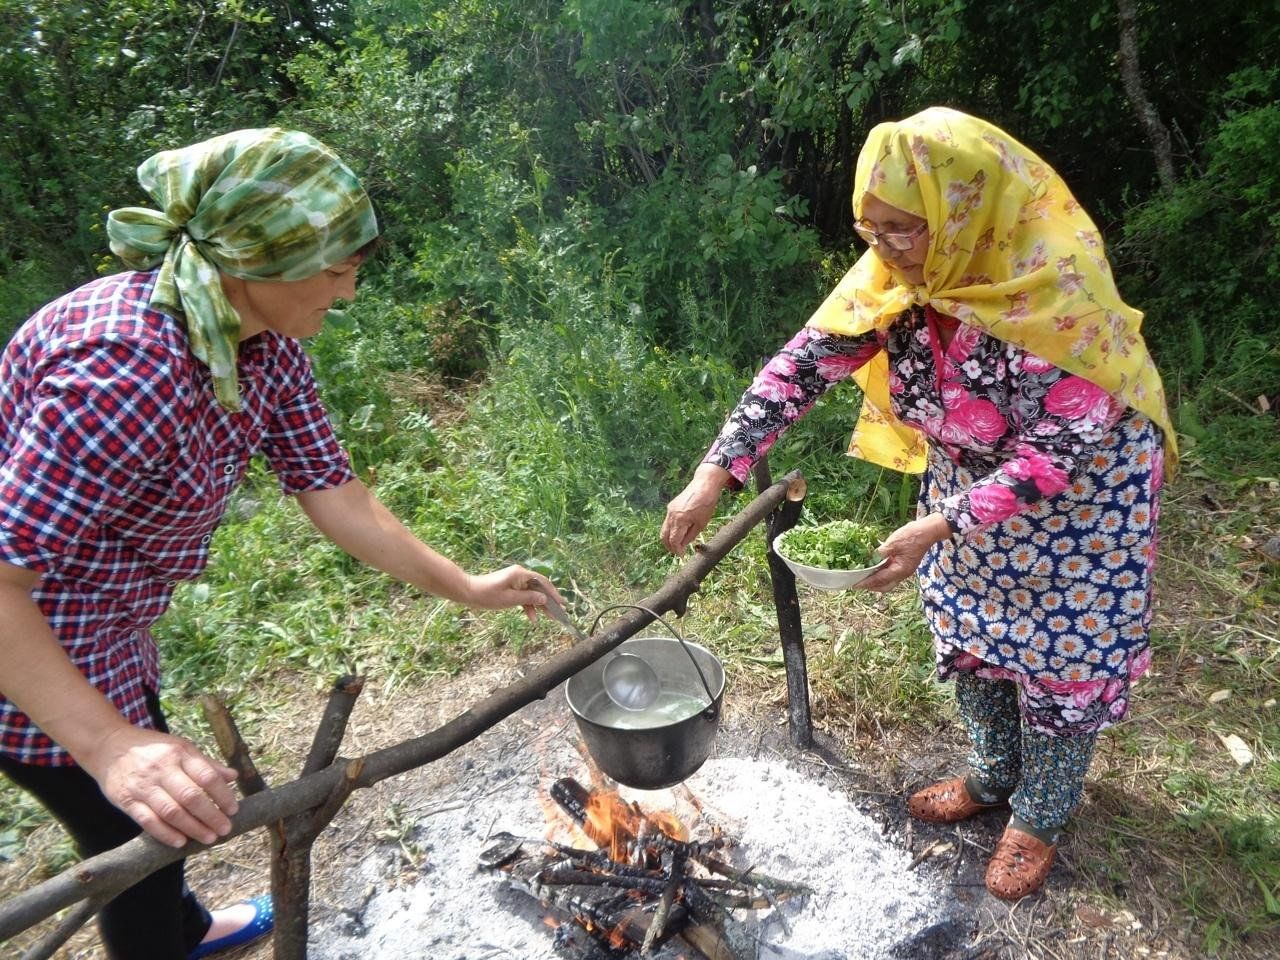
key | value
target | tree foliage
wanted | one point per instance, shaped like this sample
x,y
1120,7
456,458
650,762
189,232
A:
x,y
92,88
696,153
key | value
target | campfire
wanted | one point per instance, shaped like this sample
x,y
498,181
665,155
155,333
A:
x,y
641,881
451,885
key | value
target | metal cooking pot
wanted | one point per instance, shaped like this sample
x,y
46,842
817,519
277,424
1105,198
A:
x,y
667,742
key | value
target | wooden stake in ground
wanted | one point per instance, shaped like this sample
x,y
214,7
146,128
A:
x,y
786,603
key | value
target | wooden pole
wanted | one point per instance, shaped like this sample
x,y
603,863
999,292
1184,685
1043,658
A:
x,y
115,870
786,603
293,837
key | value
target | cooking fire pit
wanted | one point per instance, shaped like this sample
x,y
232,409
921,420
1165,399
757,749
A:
x,y
640,880
486,815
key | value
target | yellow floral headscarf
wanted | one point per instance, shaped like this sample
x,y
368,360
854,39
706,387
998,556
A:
x,y
1010,252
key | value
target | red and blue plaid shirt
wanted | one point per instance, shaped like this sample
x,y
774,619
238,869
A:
x,y
116,464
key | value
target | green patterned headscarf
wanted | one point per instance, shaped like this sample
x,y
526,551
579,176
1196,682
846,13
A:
x,y
256,204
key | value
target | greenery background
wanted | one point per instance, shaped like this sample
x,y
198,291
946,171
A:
x,y
601,215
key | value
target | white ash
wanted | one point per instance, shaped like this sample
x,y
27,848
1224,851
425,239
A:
x,y
867,905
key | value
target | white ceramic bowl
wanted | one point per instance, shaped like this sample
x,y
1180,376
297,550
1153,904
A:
x,y
823,578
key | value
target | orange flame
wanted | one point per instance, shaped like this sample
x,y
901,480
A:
x,y
614,824
618,938
611,822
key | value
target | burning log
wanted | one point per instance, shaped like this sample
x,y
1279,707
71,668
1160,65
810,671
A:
x,y
646,884
675,878
562,873
609,822
697,850
629,834
618,920
573,942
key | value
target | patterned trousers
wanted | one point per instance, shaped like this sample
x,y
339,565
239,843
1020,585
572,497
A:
x,y
1042,776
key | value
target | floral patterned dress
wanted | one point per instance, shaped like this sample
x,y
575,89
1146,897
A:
x,y
1051,488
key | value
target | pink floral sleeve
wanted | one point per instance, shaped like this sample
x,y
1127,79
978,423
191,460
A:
x,y
1057,420
809,365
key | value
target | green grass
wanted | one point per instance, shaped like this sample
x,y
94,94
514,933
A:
x,y
1172,804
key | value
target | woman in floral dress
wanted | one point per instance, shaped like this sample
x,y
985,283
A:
x,y
996,356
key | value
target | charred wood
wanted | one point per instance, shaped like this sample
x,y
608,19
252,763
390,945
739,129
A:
x,y
622,920
753,878
562,874
675,876
697,850
631,917
573,942
786,603
717,944
615,835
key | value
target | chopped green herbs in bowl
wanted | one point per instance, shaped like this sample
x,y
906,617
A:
x,y
832,556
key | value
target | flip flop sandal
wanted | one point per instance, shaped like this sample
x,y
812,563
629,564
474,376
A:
x,y
264,919
946,802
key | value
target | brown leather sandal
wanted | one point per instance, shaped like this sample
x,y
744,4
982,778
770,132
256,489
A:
x,y
946,802
1019,865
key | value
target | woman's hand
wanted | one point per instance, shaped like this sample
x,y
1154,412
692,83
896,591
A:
x,y
171,789
692,509
512,586
904,549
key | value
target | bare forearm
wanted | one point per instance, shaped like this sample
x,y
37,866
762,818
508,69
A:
x,y
690,511
37,676
357,522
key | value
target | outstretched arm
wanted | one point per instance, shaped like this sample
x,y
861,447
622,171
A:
x,y
809,365
353,518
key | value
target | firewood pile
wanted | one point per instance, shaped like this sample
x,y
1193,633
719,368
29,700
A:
x,y
643,884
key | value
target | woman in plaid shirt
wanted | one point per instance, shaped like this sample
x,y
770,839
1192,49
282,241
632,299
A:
x,y
129,410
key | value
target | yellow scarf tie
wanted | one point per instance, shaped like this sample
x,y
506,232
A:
x,y
1010,252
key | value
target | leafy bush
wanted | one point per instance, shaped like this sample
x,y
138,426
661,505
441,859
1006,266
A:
x,y
24,288
1203,263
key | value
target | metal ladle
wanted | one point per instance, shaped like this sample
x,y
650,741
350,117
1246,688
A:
x,y
628,680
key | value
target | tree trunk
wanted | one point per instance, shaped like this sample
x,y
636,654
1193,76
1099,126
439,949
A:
x,y
1148,116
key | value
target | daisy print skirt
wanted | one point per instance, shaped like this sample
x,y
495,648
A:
x,y
1056,598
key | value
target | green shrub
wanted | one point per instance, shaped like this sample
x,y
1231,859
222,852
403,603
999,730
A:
x,y
1205,254
24,288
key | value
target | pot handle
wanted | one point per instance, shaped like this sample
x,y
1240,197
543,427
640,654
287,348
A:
x,y
710,709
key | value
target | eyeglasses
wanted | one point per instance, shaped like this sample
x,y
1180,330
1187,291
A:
x,y
894,241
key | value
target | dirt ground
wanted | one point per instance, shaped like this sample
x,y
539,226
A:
x,y
1068,920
